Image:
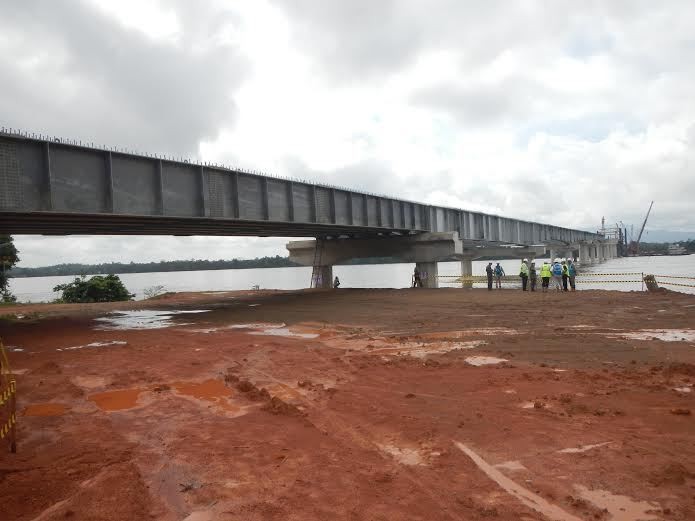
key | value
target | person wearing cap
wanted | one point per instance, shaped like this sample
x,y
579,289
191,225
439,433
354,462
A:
x,y
546,273
565,275
523,273
499,273
488,271
572,274
557,275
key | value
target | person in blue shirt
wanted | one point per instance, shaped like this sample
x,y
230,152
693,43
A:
x,y
499,273
571,274
557,275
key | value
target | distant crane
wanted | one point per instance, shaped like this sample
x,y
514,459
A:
x,y
633,248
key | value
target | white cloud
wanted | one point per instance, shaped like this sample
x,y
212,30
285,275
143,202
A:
x,y
560,112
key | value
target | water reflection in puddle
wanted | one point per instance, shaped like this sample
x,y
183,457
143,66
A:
x,y
142,319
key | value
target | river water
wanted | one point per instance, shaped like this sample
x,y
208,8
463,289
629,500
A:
x,y
40,289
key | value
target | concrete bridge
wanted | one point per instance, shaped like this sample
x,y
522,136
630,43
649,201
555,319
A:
x,y
56,187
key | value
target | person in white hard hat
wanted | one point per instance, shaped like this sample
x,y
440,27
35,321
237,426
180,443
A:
x,y
557,275
523,273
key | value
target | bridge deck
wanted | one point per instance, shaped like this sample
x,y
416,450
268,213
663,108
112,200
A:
x,y
52,187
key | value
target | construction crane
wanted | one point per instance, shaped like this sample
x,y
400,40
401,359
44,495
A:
x,y
633,248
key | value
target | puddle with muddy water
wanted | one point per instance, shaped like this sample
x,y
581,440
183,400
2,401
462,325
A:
x,y
621,508
45,409
116,400
213,391
143,319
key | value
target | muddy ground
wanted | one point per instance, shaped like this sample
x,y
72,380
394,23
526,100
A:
x,y
355,404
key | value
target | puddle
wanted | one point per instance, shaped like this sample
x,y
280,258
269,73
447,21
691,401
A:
x,y
45,409
510,391
95,344
257,325
404,455
116,400
15,349
665,335
683,389
583,448
621,508
284,331
484,360
143,319
560,370
525,496
213,390
254,305
510,465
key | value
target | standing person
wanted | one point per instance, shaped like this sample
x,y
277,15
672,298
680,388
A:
x,y
572,273
489,270
546,273
557,275
565,275
533,276
523,273
417,280
499,273
336,282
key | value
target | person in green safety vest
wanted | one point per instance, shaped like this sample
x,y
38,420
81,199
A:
x,y
523,273
546,273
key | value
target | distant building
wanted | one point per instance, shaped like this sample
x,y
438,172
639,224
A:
x,y
676,249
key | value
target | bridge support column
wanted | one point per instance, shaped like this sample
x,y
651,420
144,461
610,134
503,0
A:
x,y
553,255
428,272
324,278
467,271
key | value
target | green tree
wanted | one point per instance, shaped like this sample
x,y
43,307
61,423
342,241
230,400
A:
x,y
8,258
99,288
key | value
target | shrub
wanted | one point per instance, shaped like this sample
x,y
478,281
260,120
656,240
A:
x,y
99,288
153,291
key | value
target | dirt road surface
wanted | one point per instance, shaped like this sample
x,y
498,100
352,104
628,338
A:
x,y
354,404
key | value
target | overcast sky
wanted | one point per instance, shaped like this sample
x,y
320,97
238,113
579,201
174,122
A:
x,y
555,111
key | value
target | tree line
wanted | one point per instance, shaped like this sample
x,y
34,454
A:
x,y
148,267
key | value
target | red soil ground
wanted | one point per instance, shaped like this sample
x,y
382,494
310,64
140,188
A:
x,y
379,417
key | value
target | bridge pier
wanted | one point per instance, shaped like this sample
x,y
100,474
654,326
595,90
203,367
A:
x,y
429,273
467,271
324,277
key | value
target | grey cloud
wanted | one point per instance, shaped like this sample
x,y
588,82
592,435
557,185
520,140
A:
x,y
73,71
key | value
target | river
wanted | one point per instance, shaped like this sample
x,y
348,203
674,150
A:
x,y
39,289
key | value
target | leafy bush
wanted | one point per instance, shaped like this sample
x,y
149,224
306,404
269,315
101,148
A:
x,y
99,288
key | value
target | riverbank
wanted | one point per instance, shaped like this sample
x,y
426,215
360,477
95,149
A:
x,y
354,404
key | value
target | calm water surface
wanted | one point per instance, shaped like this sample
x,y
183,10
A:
x,y
37,289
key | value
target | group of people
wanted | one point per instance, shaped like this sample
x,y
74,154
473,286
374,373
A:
x,y
562,272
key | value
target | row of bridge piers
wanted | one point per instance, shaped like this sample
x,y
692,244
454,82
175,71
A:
x,y
428,249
